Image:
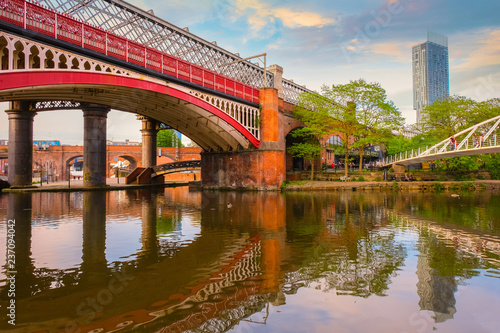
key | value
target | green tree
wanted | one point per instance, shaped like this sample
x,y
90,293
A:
x,y
373,116
309,149
400,144
448,116
164,138
314,112
492,165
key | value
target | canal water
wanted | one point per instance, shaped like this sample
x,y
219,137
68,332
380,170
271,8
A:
x,y
172,260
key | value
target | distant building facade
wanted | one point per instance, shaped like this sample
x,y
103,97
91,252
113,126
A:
x,y
122,143
45,144
431,78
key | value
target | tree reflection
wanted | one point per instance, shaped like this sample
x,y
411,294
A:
x,y
347,251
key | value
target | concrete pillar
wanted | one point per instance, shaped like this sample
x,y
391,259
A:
x,y
94,263
262,169
278,78
399,168
94,145
149,240
20,144
19,208
149,132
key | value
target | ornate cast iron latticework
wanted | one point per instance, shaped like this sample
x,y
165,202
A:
x,y
126,20
57,105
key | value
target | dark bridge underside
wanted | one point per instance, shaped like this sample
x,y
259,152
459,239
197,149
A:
x,y
209,127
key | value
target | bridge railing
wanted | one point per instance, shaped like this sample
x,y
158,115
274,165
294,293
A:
x,y
62,27
292,91
467,142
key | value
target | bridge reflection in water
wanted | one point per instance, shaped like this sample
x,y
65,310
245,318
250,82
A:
x,y
173,260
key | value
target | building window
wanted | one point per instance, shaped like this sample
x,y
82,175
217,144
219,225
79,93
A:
x,y
334,140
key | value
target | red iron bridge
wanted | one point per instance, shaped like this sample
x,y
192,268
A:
x,y
107,54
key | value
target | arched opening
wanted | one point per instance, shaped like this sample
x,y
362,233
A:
x,y
4,54
49,59
45,171
293,163
34,57
332,158
142,97
75,64
74,168
19,56
62,61
121,166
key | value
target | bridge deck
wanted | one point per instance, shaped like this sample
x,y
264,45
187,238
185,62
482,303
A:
x,y
447,154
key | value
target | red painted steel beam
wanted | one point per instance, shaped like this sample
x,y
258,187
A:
x,y
27,79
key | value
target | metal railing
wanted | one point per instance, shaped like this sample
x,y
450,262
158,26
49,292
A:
x,y
62,27
467,142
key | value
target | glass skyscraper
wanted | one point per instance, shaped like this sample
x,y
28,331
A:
x,y
431,78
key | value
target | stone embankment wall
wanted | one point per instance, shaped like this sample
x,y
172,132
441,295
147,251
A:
x,y
451,186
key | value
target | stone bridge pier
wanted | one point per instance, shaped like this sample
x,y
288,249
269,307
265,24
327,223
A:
x,y
259,169
20,144
20,153
94,145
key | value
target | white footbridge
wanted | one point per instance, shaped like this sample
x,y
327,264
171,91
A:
x,y
482,138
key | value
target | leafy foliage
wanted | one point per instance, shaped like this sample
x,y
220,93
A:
x,y
164,138
399,144
444,118
492,165
314,111
368,112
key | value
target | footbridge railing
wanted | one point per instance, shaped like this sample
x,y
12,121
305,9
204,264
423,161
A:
x,y
482,138
176,167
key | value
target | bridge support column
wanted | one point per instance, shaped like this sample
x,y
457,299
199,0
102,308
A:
x,y
149,132
399,168
94,263
20,144
94,145
258,169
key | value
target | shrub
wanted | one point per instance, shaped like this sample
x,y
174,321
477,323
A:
x,y
492,165
438,187
361,179
378,179
468,186
462,177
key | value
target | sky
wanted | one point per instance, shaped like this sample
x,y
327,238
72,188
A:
x,y
325,42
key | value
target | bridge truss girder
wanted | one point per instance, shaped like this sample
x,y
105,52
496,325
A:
x,y
144,27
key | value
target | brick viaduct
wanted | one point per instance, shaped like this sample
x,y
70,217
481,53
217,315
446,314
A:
x,y
59,157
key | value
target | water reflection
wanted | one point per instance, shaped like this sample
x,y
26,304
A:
x,y
172,260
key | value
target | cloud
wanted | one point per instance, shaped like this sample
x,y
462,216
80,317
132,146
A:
x,y
399,51
261,14
486,54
